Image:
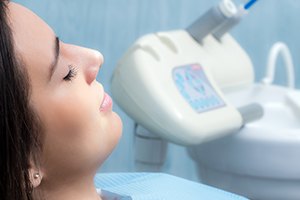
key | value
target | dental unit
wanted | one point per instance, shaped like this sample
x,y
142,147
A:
x,y
171,83
196,87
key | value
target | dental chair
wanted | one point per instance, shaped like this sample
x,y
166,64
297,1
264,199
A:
x,y
156,186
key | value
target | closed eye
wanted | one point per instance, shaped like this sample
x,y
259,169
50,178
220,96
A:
x,y
71,74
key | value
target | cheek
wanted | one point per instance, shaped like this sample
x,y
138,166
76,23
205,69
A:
x,y
71,120
70,113
77,133
72,127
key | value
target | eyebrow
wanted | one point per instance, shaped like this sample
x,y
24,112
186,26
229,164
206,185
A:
x,y
53,65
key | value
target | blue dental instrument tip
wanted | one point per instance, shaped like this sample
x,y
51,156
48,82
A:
x,y
249,4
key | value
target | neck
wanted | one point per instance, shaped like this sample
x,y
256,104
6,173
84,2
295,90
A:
x,y
78,188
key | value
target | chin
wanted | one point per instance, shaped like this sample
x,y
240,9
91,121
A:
x,y
114,134
116,123
116,128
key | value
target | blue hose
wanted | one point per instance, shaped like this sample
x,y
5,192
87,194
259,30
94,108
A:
x,y
249,4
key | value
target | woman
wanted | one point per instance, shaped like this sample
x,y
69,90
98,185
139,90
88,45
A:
x,y
57,123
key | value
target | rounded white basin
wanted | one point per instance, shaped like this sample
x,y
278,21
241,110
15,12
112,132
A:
x,y
262,160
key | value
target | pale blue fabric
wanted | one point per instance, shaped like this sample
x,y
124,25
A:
x,y
156,186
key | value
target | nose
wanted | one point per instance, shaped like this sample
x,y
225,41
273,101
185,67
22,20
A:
x,y
95,60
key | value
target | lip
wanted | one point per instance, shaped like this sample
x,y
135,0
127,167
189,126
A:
x,y
106,104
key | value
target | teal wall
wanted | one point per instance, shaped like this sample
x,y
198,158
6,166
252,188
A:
x,y
111,26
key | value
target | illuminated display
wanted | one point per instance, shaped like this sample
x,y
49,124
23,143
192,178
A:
x,y
196,89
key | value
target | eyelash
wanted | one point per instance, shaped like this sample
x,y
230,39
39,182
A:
x,y
71,74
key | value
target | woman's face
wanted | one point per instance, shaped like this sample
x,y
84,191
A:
x,y
80,128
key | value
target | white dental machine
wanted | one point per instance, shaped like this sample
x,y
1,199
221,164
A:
x,y
194,87
172,83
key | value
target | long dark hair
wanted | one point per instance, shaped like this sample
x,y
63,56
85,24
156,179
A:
x,y
19,133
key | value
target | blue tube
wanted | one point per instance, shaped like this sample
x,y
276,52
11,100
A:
x,y
249,4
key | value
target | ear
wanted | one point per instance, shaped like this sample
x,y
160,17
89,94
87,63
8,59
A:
x,y
35,176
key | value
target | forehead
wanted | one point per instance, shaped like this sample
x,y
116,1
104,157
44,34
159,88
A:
x,y
33,38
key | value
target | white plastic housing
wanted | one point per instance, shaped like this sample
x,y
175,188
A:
x,y
143,85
